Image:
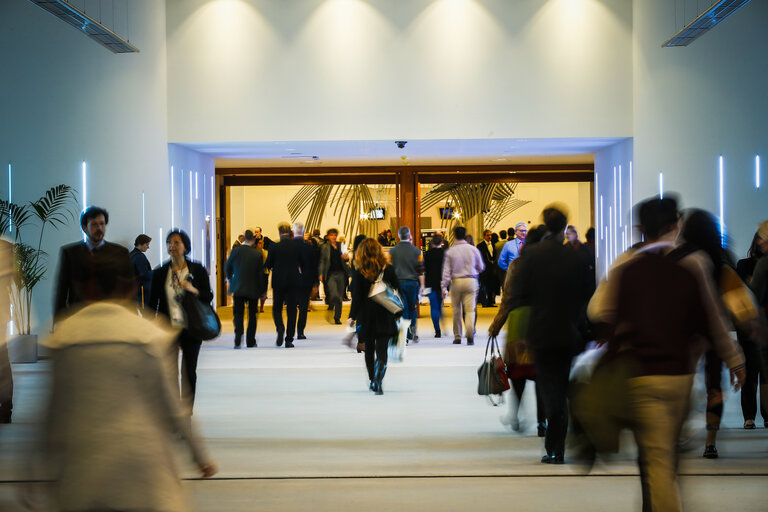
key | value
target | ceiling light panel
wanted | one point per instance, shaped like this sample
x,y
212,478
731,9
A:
x,y
704,22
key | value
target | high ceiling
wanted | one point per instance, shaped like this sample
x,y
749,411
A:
x,y
415,152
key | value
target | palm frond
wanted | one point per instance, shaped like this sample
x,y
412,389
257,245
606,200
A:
x,y
13,215
54,206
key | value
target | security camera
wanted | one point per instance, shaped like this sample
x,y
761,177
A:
x,y
401,143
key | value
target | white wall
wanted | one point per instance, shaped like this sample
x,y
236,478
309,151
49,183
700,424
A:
x,y
252,70
696,103
64,100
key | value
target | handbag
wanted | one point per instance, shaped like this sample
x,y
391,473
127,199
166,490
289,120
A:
x,y
202,320
737,297
383,294
491,375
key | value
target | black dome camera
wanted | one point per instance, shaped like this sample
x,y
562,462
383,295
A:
x,y
401,143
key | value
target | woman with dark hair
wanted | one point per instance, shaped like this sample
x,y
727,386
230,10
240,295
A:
x,y
170,283
376,324
433,274
746,268
700,233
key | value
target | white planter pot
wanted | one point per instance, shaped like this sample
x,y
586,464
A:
x,y
23,348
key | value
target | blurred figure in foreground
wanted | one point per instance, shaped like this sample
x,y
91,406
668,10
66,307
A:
x,y
657,309
553,280
113,412
376,324
517,356
6,375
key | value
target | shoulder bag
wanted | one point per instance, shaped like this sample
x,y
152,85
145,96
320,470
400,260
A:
x,y
491,376
384,295
202,320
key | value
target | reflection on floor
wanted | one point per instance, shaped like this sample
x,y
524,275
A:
x,y
297,430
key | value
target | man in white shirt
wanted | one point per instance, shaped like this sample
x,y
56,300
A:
x,y
462,265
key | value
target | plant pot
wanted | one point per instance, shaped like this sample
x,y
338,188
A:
x,y
23,348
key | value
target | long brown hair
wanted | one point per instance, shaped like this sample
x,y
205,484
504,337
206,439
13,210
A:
x,y
369,259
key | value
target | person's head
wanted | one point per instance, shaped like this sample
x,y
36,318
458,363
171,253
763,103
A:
x,y
571,235
298,230
316,232
470,239
178,244
241,238
260,243
590,235
436,241
534,236
658,217
248,237
487,235
284,230
404,234
460,233
369,259
142,242
93,222
357,241
762,237
521,231
306,235
332,234
503,234
388,233
257,232
554,219
494,238
700,231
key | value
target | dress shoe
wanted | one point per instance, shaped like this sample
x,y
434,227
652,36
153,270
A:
x,y
438,334
238,340
301,337
415,339
457,341
252,345
710,452
546,459
470,341
279,341
337,322
288,344
238,347
749,425
557,459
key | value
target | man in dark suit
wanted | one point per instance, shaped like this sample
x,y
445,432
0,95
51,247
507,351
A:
x,y
308,263
554,281
244,268
78,262
142,268
284,260
487,295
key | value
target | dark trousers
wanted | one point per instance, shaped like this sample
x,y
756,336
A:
x,y
190,350
410,295
6,383
552,371
518,385
375,350
436,307
285,296
334,287
487,295
749,391
713,378
302,300
238,312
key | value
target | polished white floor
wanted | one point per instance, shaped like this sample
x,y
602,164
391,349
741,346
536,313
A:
x,y
297,430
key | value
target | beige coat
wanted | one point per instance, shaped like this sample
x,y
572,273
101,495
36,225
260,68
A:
x,y
113,414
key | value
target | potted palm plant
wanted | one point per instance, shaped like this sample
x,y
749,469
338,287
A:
x,y
56,208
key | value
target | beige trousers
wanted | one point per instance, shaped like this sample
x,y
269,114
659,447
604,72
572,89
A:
x,y
463,300
659,407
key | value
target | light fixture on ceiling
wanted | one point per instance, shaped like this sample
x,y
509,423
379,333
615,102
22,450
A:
x,y
87,25
704,22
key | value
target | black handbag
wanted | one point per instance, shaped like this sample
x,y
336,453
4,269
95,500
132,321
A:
x,y
491,376
202,320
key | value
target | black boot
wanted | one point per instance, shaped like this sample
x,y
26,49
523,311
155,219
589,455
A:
x,y
381,369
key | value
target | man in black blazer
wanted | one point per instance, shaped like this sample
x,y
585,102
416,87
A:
x,y
142,268
78,262
308,264
284,260
487,295
244,269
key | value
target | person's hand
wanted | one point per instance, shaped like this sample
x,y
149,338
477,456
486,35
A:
x,y
208,469
189,288
445,293
351,321
738,376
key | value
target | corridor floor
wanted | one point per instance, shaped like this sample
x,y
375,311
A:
x,y
297,430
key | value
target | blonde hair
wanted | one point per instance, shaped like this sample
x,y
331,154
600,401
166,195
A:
x,y
369,259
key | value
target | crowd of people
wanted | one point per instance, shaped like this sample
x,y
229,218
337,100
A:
x,y
667,303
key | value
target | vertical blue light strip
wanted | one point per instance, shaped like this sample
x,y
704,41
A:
x,y
597,194
10,194
722,205
143,212
196,193
614,234
602,218
757,171
202,244
181,193
661,185
85,190
621,208
173,224
631,209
